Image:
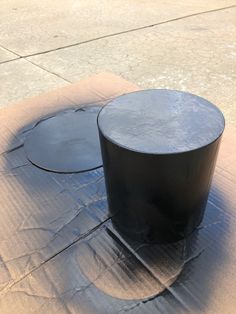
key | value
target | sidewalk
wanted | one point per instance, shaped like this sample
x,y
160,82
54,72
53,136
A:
x,y
186,46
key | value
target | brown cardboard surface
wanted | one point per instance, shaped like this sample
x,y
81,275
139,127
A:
x,y
59,252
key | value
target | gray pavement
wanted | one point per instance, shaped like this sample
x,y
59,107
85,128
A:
x,y
184,45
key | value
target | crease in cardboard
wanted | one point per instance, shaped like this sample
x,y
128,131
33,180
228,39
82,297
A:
x,y
165,284
51,257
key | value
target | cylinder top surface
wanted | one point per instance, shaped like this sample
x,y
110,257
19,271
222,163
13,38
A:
x,y
161,121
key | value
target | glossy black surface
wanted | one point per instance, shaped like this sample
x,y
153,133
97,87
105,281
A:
x,y
67,142
158,197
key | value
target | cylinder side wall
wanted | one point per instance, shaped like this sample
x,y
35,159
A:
x,y
157,198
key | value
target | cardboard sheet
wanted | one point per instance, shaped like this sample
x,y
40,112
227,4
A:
x,y
59,252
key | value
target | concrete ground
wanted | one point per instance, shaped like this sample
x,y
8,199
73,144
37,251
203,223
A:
x,y
185,45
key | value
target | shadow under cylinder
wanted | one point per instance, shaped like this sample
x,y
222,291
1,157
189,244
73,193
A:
x,y
159,149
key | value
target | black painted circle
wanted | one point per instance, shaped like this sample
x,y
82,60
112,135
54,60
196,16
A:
x,y
67,142
161,121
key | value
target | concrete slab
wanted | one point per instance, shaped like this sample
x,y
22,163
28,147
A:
x,y
5,55
32,26
20,79
196,54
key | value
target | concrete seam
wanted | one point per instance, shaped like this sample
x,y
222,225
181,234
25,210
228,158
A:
x,y
115,34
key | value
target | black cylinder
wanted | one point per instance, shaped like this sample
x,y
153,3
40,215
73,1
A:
x,y
159,149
